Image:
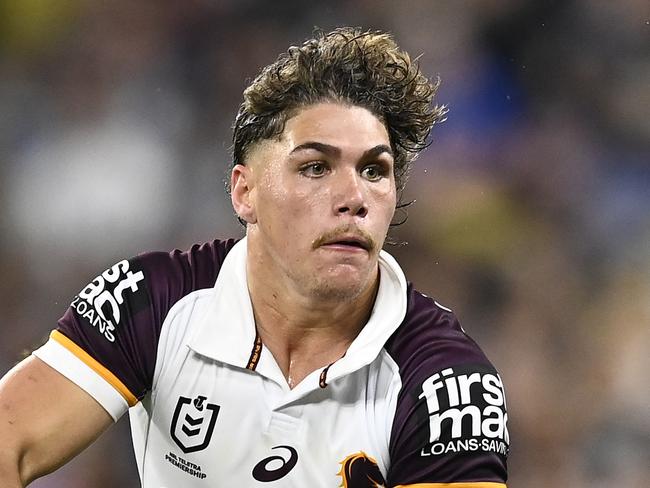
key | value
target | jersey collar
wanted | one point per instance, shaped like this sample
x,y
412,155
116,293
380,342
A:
x,y
227,331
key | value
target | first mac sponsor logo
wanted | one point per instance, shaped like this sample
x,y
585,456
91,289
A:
x,y
101,302
466,408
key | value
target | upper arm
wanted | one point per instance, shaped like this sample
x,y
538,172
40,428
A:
x,y
45,419
451,427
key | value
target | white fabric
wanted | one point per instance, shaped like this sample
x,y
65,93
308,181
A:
x,y
73,368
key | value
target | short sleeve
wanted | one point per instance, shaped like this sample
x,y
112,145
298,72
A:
x,y
450,425
107,340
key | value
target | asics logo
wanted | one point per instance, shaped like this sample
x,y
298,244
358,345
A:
x,y
275,467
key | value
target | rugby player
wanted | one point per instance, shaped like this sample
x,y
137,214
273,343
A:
x,y
299,355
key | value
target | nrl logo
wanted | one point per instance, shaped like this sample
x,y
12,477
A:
x,y
193,423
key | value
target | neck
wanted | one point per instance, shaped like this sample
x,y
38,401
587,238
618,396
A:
x,y
304,333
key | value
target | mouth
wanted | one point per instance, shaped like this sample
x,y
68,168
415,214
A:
x,y
348,239
350,243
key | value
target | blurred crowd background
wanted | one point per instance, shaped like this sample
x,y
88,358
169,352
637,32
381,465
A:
x,y
531,213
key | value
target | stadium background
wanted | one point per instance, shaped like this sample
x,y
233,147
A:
x,y
532,218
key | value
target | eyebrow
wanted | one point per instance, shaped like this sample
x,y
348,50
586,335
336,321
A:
x,y
336,152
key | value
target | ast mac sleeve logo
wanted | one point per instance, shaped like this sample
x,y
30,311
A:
x,y
103,301
193,423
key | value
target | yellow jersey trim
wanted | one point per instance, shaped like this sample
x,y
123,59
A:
x,y
93,364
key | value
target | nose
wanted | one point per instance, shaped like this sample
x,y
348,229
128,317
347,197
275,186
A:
x,y
350,193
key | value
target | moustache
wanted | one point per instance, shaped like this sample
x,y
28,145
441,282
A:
x,y
345,232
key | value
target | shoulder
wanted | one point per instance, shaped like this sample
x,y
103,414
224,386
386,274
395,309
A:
x,y
170,276
431,336
145,287
167,277
194,268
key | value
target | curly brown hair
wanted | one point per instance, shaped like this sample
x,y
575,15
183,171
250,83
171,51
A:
x,y
347,65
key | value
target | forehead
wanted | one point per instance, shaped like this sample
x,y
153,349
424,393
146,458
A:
x,y
348,127
351,129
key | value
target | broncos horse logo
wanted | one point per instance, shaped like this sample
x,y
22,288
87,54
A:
x,y
360,471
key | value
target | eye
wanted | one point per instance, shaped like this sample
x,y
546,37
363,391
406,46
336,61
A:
x,y
373,172
315,169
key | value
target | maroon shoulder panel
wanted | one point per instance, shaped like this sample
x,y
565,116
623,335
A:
x,y
117,318
451,422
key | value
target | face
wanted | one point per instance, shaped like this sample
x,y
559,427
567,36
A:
x,y
318,201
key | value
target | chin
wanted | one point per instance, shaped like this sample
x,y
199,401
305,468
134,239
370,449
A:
x,y
342,288
328,293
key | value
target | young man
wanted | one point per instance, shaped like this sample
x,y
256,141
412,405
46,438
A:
x,y
298,356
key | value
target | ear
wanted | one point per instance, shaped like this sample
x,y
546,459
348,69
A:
x,y
241,186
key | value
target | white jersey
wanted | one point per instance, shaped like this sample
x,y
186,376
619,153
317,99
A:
x,y
172,336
